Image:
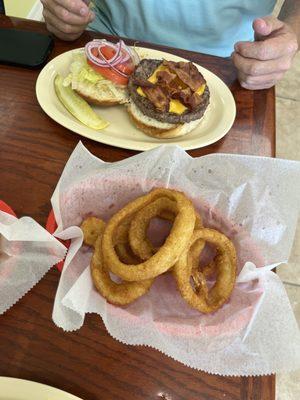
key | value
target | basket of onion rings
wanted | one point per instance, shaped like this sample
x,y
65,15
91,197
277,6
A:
x,y
157,252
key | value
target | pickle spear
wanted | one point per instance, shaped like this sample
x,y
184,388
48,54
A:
x,y
77,106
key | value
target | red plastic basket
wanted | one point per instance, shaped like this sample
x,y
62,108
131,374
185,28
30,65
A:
x,y
4,207
51,226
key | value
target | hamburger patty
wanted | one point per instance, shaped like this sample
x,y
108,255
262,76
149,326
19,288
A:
x,y
143,71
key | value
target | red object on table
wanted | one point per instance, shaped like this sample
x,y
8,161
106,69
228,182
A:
x,y
4,207
51,226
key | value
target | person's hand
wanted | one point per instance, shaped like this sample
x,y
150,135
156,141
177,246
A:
x,y
262,63
67,19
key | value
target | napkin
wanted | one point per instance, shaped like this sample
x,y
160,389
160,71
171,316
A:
x,y
253,200
27,252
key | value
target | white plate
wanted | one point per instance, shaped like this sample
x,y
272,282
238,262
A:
x,y
19,389
217,120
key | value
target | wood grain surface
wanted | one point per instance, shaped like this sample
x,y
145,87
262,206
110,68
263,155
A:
x,y
89,363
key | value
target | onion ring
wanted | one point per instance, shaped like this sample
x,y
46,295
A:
x,y
168,254
206,300
122,247
115,293
92,227
194,252
198,275
139,242
125,254
162,208
121,244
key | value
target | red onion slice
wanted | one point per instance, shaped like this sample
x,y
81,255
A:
x,y
121,56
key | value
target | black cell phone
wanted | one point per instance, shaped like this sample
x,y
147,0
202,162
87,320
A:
x,y
24,48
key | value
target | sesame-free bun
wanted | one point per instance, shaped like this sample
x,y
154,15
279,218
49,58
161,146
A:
x,y
103,95
157,129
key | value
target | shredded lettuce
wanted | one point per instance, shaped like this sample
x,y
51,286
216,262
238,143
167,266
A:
x,y
84,79
81,71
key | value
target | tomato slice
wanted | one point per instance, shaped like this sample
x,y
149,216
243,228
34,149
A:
x,y
110,73
107,51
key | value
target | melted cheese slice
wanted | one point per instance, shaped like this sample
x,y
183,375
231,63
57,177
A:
x,y
175,106
153,78
140,91
201,89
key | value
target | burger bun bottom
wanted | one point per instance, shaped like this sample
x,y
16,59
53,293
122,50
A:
x,y
106,95
157,129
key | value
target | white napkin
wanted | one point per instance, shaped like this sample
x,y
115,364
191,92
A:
x,y
27,252
254,200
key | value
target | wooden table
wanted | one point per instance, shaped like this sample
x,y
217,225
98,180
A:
x,y
89,363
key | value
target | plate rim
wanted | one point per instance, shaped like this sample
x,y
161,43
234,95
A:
x,y
135,144
19,385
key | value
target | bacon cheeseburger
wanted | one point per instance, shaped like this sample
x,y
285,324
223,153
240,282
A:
x,y
167,99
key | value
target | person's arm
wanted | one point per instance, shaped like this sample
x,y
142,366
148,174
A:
x,y
262,63
67,19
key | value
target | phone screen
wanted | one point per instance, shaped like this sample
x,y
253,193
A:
x,y
24,48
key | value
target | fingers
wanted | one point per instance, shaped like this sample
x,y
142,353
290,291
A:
x,y
253,67
255,74
258,87
262,63
64,17
61,25
61,35
269,49
78,7
265,26
259,82
75,6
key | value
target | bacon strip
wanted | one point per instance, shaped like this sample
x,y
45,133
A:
x,y
158,97
165,77
180,81
143,82
194,101
187,72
